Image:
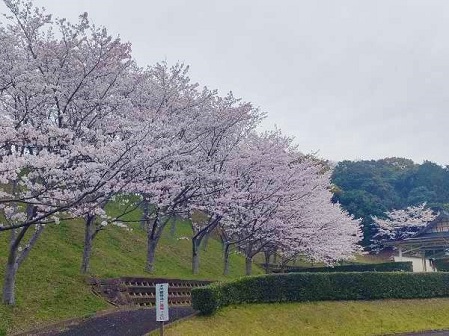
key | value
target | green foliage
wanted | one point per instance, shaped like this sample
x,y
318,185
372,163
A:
x,y
370,188
208,300
442,265
405,266
297,287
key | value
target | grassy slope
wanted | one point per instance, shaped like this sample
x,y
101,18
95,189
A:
x,y
320,318
49,287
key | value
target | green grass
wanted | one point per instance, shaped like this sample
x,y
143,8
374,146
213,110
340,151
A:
x,y
49,287
319,318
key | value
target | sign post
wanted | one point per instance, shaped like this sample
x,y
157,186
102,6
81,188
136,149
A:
x,y
162,305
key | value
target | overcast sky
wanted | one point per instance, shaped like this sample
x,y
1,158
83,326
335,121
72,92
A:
x,y
350,79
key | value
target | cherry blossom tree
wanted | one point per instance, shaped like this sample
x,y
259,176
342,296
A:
x,y
322,233
281,203
64,141
199,179
402,223
96,219
233,123
193,131
258,190
173,107
254,195
82,124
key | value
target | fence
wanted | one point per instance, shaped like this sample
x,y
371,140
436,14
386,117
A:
x,y
142,291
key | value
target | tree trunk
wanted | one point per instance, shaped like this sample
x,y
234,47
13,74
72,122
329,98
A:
x,y
195,257
88,242
152,240
154,233
205,241
145,214
197,239
223,242
173,228
196,243
12,265
226,254
9,284
284,264
249,265
15,259
151,252
267,261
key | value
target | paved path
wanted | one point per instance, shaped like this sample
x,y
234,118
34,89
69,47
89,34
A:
x,y
122,323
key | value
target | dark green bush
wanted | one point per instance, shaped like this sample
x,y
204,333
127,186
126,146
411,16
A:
x,y
405,266
442,265
320,286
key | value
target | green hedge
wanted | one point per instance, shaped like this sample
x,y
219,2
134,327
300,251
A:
x,y
319,287
405,266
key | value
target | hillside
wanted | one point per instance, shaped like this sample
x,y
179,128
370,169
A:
x,y
50,288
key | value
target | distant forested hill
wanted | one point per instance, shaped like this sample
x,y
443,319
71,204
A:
x,y
369,188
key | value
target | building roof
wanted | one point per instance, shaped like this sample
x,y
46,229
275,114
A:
x,y
425,231
426,240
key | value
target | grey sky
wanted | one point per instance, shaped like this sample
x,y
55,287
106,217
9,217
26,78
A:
x,y
350,79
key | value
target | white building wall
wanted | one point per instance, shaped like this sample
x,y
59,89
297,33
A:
x,y
418,264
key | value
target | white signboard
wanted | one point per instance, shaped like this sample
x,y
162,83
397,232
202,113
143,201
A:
x,y
162,302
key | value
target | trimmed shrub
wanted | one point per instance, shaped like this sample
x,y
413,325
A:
x,y
405,266
297,287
